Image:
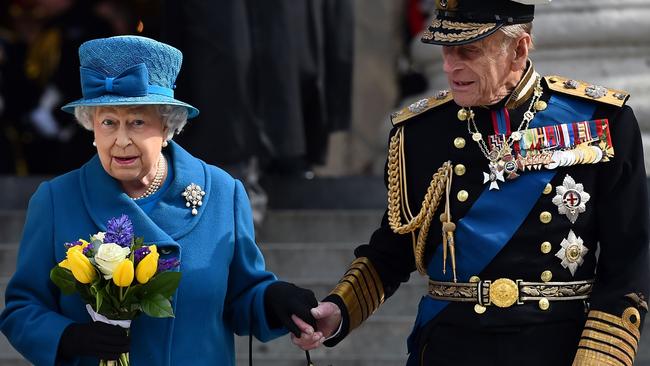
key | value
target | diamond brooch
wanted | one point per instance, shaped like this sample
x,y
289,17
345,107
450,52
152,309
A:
x,y
194,196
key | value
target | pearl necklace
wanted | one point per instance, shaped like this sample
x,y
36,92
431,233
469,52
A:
x,y
157,180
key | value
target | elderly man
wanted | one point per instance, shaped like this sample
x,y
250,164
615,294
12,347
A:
x,y
522,198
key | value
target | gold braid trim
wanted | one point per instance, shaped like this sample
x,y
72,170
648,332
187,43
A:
x,y
457,37
475,27
397,190
609,339
361,290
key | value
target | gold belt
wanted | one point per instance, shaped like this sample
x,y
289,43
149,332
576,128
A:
x,y
505,292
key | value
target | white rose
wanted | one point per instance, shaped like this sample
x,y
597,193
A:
x,y
108,256
99,236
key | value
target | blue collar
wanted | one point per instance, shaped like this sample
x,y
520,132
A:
x,y
169,220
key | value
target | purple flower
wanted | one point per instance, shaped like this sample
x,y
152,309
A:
x,y
140,253
88,250
119,231
167,264
73,244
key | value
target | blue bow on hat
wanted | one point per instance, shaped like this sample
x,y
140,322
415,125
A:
x,y
132,82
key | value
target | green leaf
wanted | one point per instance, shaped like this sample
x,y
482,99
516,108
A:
x,y
164,284
63,279
99,299
157,306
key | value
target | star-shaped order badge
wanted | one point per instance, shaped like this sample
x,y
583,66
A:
x,y
572,252
570,199
494,176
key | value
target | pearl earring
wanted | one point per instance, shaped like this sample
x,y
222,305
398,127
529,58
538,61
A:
x,y
165,143
94,144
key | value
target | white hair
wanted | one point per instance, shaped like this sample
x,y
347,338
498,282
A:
x,y
174,117
514,31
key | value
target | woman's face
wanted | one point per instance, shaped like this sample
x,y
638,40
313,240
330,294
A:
x,y
129,140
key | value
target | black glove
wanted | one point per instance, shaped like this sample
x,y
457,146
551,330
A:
x,y
96,339
283,299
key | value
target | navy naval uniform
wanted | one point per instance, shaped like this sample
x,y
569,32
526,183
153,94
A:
x,y
540,280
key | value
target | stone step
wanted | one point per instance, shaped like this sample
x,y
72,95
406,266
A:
x,y
333,193
8,255
281,226
11,228
319,226
382,337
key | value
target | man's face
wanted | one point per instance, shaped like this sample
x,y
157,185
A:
x,y
478,72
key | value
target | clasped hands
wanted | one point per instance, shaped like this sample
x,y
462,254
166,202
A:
x,y
310,322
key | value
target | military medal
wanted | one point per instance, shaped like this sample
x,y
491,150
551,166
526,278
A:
x,y
493,177
571,199
502,163
572,252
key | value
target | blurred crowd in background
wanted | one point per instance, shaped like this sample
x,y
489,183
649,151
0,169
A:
x,y
272,79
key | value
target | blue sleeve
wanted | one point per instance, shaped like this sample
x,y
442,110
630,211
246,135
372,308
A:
x,y
31,320
248,278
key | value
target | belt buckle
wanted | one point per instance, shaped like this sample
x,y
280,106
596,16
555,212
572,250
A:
x,y
504,292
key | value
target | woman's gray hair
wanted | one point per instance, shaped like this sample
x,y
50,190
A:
x,y
514,31
174,117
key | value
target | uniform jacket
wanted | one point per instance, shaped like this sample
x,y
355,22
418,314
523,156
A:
x,y
614,226
223,276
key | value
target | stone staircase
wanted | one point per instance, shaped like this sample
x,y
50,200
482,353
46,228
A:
x,y
310,247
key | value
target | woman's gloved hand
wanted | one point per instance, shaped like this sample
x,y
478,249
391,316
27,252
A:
x,y
283,299
96,339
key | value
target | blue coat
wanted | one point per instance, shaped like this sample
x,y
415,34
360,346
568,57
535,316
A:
x,y
221,292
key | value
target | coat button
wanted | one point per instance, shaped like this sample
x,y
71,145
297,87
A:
x,y
540,105
547,276
460,169
548,189
462,114
462,195
544,304
545,217
479,309
546,247
459,142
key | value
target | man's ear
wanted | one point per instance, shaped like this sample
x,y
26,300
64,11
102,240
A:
x,y
522,44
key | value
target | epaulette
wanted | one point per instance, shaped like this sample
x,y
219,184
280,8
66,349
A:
x,y
422,105
585,90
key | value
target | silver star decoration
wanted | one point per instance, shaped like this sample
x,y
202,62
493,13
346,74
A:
x,y
570,199
572,252
596,91
571,84
494,176
419,106
442,94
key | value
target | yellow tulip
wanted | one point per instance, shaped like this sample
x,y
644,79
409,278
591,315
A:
x,y
80,266
123,274
148,265
64,264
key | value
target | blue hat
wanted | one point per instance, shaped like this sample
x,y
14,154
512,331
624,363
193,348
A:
x,y
128,70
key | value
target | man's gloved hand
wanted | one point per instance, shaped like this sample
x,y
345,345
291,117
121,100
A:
x,y
283,299
97,339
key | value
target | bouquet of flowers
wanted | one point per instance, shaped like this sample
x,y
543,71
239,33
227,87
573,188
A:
x,y
118,277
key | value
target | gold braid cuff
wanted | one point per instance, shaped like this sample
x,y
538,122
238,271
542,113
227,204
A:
x,y
398,198
608,339
361,291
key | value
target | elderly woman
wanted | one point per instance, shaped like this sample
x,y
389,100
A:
x,y
128,104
